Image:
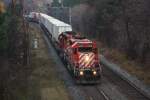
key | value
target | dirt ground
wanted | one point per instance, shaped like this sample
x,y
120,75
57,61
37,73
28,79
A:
x,y
43,81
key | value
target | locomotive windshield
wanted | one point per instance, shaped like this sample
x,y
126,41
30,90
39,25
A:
x,y
85,49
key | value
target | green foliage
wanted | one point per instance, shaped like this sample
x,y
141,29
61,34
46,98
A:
x,y
18,9
3,32
9,28
66,3
55,3
107,13
70,3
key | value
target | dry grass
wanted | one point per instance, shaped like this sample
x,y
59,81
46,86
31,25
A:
x,y
44,83
120,58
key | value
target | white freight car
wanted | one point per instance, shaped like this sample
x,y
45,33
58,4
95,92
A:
x,y
54,26
32,16
46,21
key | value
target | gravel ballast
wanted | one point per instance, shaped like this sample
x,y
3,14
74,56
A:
x,y
126,76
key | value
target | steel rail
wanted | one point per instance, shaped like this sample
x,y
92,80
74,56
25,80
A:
x,y
103,93
120,81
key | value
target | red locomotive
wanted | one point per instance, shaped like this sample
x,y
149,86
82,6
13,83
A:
x,y
81,57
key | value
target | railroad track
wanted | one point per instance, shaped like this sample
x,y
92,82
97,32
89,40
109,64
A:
x,y
91,91
129,90
103,93
94,93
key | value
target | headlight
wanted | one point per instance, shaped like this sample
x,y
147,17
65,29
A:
x,y
94,72
81,73
87,58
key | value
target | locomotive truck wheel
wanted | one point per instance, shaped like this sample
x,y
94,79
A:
x,y
50,36
69,66
64,58
61,55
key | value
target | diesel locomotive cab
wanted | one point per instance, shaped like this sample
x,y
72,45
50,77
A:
x,y
81,57
88,67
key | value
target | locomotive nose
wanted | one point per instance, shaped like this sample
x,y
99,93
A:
x,y
86,58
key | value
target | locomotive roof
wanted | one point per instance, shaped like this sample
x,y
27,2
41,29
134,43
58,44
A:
x,y
81,40
54,20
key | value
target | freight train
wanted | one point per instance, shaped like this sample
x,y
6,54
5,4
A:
x,y
79,54
32,17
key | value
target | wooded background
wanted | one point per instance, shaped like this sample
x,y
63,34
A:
x,y
119,24
124,25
